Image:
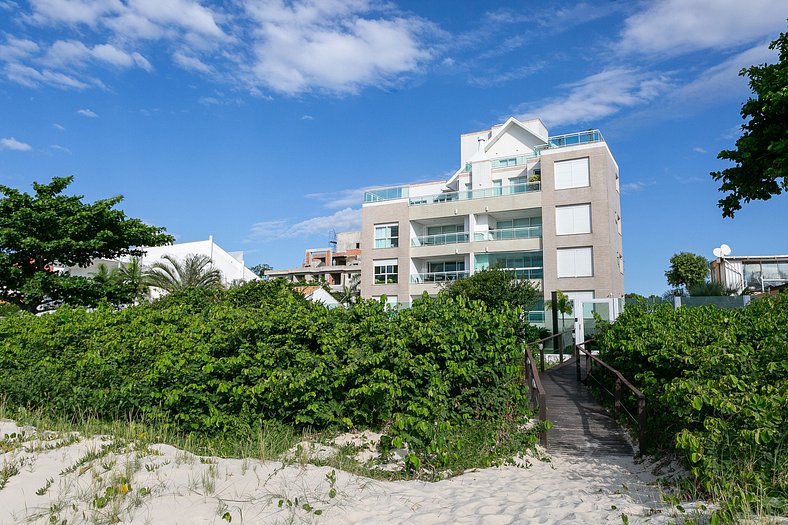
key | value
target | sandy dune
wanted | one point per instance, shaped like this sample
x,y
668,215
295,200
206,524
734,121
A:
x,y
95,480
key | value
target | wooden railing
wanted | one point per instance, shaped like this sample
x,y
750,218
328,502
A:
x,y
620,381
558,343
536,392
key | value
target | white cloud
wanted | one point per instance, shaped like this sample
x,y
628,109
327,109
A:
x,y
65,54
185,13
632,187
698,149
599,96
191,62
339,199
307,117
87,113
329,45
58,126
31,77
13,144
73,11
343,220
723,80
58,147
17,48
675,27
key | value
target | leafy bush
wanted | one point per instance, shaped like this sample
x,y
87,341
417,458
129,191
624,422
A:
x,y
209,361
715,386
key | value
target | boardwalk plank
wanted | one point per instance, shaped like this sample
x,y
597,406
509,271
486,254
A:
x,y
580,425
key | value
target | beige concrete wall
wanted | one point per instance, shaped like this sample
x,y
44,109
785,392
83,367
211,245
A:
x,y
604,238
379,213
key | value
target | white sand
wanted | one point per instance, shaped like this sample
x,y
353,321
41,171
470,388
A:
x,y
165,485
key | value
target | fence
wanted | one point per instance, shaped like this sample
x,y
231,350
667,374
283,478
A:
x,y
620,381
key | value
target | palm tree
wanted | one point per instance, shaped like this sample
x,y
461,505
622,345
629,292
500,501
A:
x,y
132,275
195,271
563,305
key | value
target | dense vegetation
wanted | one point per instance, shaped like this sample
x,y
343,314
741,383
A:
x,y
47,228
715,381
226,361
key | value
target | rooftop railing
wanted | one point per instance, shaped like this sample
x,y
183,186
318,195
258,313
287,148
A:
x,y
573,139
452,196
558,141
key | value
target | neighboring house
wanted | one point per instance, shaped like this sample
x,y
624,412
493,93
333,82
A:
x,y
754,273
338,266
547,208
231,264
318,295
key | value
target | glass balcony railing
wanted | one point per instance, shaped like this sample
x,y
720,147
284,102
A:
x,y
437,277
573,139
386,194
453,196
508,162
508,234
439,239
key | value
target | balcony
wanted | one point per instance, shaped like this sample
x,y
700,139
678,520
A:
x,y
574,139
386,194
440,239
510,162
453,196
438,277
508,234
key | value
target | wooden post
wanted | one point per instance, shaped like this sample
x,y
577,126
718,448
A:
x,y
541,357
543,417
554,302
642,424
558,340
617,404
577,359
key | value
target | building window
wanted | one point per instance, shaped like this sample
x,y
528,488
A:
x,y
386,271
570,220
618,223
571,174
387,235
618,189
575,262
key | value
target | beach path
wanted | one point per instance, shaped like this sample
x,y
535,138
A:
x,y
581,427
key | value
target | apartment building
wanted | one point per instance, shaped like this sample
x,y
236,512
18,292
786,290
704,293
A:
x,y
547,208
337,265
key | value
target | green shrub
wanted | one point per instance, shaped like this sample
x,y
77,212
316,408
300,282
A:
x,y
716,390
259,353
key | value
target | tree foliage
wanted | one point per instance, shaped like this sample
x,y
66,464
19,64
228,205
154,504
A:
x,y
495,287
687,269
714,381
499,289
222,361
761,154
46,228
194,271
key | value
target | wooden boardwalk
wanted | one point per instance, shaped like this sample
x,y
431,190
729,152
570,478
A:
x,y
581,427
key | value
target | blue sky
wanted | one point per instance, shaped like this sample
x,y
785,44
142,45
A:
x,y
261,121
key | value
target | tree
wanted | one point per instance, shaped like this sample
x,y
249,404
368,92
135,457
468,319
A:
x,y
495,287
46,229
761,153
132,275
687,269
196,271
563,305
260,269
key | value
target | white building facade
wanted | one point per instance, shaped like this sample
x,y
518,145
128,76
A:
x,y
547,208
230,264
